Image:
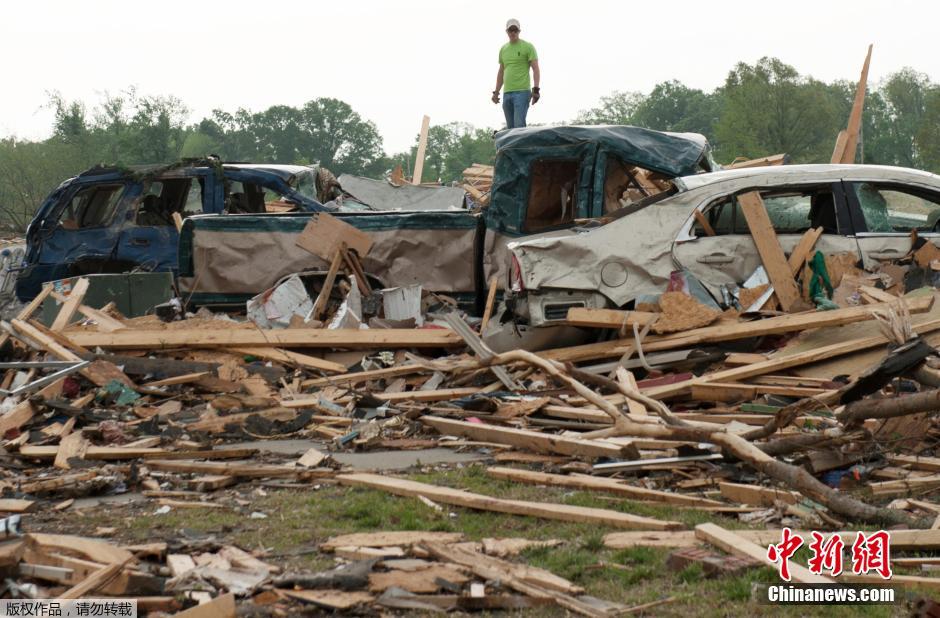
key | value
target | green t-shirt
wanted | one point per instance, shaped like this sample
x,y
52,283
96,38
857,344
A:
x,y
515,58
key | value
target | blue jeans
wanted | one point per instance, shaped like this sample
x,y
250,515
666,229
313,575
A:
x,y
515,106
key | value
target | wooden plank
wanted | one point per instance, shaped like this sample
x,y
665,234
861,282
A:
x,y
337,600
737,545
100,372
105,322
771,255
71,446
879,295
365,376
852,131
68,309
784,362
422,147
609,318
904,486
14,505
531,440
544,510
319,306
728,392
757,495
931,464
729,332
112,453
802,250
16,417
289,337
291,358
324,235
29,309
178,221
236,469
490,301
92,549
219,607
580,481
390,538
94,581
183,379
491,569
626,540
706,226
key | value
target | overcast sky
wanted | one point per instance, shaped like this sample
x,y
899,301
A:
x,y
394,61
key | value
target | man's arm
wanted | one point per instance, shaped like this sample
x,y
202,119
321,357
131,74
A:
x,y
536,75
499,84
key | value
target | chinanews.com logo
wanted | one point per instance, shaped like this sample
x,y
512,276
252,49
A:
x,y
819,583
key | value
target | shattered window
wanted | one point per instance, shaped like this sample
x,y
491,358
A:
x,y
305,183
790,212
161,198
553,194
892,209
626,184
249,197
91,207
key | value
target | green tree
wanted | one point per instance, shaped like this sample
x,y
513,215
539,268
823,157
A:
x,y
769,108
616,108
451,149
672,106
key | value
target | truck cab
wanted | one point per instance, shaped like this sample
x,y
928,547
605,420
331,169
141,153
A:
x,y
113,219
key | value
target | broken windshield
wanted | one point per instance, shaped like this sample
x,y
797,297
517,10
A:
x,y
305,183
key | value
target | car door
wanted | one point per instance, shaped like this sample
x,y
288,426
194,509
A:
x,y
80,233
730,256
887,213
149,237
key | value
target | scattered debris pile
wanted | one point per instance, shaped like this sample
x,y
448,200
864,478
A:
x,y
810,419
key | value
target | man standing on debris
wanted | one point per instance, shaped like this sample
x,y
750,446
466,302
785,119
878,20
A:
x,y
515,59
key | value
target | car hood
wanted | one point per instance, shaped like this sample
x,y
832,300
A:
x,y
624,259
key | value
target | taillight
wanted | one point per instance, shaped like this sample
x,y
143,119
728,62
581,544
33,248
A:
x,y
515,275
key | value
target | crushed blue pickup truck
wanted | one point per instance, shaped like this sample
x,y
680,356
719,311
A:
x,y
240,221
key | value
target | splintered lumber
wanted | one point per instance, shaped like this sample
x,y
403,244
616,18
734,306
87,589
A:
x,y
904,486
219,607
703,221
325,234
546,510
100,372
95,581
29,309
580,481
104,321
42,485
71,305
531,440
288,337
803,248
757,495
931,464
71,446
729,332
776,364
609,318
847,143
16,417
728,392
319,306
393,538
91,549
494,570
422,147
490,300
112,453
771,254
737,545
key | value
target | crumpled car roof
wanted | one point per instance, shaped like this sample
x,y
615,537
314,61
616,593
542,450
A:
x,y
672,154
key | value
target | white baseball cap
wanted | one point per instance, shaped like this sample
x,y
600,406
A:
x,y
513,22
